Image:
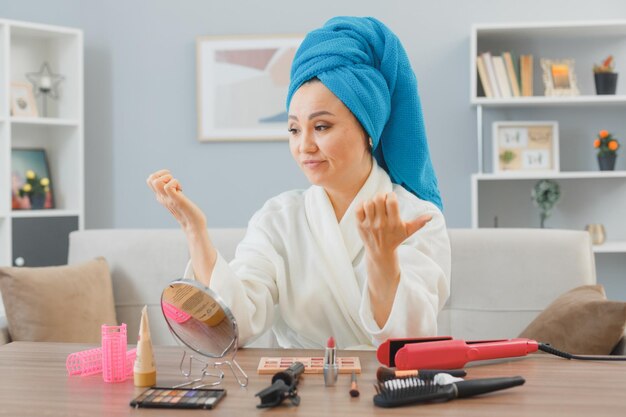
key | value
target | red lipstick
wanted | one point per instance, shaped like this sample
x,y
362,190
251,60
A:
x,y
331,369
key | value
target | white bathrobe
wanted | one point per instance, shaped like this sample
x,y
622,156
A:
x,y
300,272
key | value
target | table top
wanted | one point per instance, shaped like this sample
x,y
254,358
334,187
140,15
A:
x,y
34,381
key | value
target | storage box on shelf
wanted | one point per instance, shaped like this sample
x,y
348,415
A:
x,y
24,48
588,195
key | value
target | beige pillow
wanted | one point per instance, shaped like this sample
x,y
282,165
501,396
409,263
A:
x,y
58,303
581,321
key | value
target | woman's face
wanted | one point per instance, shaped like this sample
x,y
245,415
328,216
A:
x,y
326,140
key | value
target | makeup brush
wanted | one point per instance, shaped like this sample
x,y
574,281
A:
x,y
354,388
406,391
384,374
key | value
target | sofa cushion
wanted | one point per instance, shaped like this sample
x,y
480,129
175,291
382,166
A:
x,y
581,321
142,263
503,278
58,303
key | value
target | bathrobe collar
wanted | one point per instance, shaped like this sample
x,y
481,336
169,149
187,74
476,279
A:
x,y
340,243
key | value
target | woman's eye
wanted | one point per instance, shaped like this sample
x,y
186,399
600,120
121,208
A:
x,y
321,127
292,130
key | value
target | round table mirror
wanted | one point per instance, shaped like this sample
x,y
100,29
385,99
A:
x,y
203,324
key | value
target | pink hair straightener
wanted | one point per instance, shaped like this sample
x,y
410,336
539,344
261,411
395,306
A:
x,y
444,352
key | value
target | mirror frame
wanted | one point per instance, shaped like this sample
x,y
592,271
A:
x,y
232,347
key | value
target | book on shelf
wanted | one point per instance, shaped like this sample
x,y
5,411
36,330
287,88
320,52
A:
x,y
491,74
483,77
501,76
510,70
516,69
526,74
498,76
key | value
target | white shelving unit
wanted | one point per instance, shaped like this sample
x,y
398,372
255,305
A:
x,y
44,121
23,214
504,199
543,101
556,176
610,247
24,47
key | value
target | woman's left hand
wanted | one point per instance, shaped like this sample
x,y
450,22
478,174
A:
x,y
381,228
382,231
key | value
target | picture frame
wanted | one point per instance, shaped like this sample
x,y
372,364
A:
x,y
36,160
525,147
559,78
242,85
23,100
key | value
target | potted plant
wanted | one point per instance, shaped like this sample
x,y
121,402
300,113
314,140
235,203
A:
x,y
545,195
607,147
506,157
35,189
605,77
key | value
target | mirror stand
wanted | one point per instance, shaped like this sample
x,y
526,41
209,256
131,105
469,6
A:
x,y
201,322
197,382
200,382
238,373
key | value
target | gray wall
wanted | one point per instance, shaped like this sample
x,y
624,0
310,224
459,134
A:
x,y
140,111
140,94
140,97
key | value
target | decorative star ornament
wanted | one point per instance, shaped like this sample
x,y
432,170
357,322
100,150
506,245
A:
x,y
45,81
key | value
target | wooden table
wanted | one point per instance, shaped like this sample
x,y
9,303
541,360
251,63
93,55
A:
x,y
34,382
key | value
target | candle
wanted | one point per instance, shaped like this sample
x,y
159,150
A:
x,y
45,82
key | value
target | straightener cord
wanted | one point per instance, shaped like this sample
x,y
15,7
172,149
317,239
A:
x,y
545,347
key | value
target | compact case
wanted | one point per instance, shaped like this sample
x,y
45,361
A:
x,y
161,397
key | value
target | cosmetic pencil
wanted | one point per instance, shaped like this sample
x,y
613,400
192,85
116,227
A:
x,y
331,369
384,374
354,388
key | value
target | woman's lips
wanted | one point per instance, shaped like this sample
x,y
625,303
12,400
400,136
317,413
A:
x,y
312,163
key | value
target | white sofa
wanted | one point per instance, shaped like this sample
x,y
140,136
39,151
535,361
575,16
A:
x,y
501,278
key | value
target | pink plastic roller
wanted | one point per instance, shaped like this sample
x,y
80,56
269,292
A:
x,y
89,362
174,312
114,342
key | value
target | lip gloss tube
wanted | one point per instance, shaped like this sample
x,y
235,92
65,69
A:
x,y
331,369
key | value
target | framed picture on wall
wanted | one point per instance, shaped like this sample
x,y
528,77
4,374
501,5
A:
x,y
23,100
559,78
31,185
522,147
242,85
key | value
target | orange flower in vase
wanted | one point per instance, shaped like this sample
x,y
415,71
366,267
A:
x,y
607,146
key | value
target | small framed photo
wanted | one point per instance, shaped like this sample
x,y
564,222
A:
x,y
559,78
23,100
523,147
31,184
242,86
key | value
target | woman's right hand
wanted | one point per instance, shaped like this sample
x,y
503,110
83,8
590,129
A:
x,y
170,194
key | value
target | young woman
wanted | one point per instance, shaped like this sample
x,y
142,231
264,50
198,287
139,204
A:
x,y
363,254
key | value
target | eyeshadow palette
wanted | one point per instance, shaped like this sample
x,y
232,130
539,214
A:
x,y
312,365
159,397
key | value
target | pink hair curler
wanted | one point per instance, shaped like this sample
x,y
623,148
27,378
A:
x,y
114,343
89,362
85,362
130,361
174,312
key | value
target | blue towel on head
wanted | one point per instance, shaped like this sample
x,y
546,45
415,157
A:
x,y
364,64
